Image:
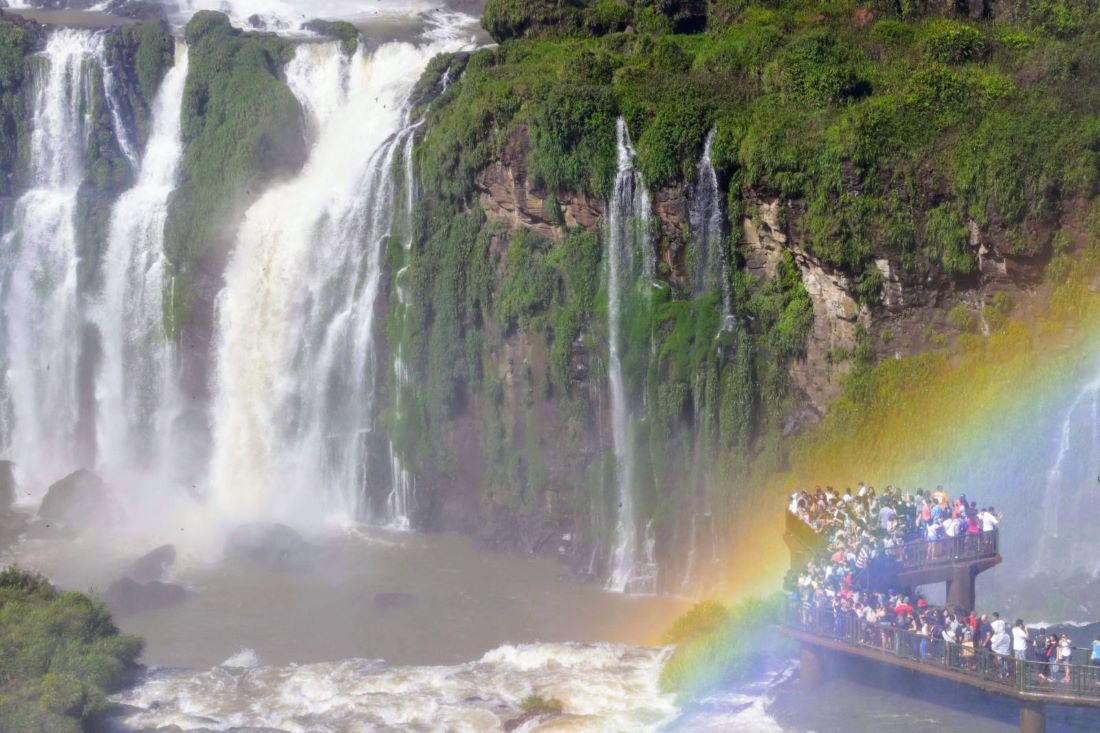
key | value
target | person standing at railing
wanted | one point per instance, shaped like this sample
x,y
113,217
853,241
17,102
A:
x,y
1000,643
1096,659
1065,657
1019,640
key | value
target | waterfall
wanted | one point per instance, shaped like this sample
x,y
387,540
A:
x,y
400,503
633,569
122,133
295,432
44,338
1072,469
136,390
711,265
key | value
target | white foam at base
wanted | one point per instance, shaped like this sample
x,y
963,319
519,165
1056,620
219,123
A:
x,y
244,659
602,687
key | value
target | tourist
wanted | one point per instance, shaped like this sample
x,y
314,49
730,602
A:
x,y
1096,658
1065,656
1020,640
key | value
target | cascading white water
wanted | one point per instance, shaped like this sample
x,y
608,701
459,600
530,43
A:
x,y
136,391
712,268
122,133
296,373
1073,467
400,503
42,302
628,236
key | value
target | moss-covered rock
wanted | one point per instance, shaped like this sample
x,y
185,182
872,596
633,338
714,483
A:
x,y
139,56
17,41
243,128
342,31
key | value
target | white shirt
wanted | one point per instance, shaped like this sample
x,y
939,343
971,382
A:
x,y
989,521
1019,639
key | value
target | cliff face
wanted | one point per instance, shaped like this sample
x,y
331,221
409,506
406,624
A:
x,y
910,316
865,215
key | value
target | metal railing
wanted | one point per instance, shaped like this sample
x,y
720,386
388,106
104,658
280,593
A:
x,y
948,549
1075,679
922,551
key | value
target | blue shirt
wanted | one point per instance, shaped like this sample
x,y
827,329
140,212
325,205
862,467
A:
x,y
1096,651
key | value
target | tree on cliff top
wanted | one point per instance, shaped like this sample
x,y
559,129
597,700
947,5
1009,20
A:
x,y
60,656
505,19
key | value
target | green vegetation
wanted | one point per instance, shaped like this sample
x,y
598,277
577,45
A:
x,y
60,656
16,42
139,56
719,645
890,130
243,128
536,703
342,31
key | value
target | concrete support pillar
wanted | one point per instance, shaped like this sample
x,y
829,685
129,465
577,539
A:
x,y
811,670
960,588
1033,717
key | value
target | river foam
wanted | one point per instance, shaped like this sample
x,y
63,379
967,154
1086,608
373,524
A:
x,y
602,687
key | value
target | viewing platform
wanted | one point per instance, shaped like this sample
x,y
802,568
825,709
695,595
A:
x,y
956,561
821,630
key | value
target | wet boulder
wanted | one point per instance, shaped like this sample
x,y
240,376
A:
x,y
7,486
126,596
152,565
77,501
270,547
392,600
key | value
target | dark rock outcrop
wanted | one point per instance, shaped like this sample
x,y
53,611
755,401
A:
x,y
509,196
77,501
7,485
153,565
392,600
270,547
126,596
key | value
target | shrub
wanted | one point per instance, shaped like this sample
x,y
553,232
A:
x,y
533,703
963,318
817,69
952,42
505,19
62,656
947,238
730,647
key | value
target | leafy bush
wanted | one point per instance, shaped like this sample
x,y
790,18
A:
x,y
947,238
533,703
819,70
715,646
505,19
61,656
952,42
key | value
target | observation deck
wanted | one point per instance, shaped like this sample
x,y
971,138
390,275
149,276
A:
x,y
956,561
821,630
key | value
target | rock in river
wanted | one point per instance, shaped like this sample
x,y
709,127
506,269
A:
x,y
127,596
78,501
269,546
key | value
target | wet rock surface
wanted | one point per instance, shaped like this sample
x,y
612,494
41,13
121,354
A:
x,y
127,596
78,501
274,547
154,564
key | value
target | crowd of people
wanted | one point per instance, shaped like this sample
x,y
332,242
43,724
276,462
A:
x,y
862,528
